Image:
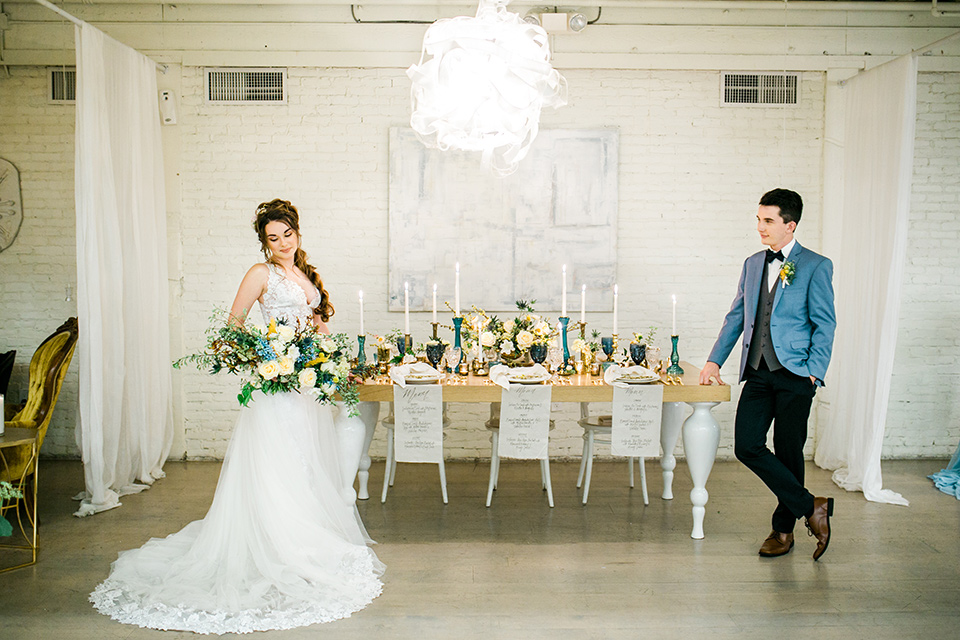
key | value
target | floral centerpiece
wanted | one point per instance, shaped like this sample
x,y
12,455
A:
x,y
510,340
588,348
278,358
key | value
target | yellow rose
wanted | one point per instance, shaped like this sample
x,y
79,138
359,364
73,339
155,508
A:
x,y
307,378
269,370
524,339
286,365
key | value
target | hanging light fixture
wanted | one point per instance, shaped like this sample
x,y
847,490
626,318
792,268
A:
x,y
481,83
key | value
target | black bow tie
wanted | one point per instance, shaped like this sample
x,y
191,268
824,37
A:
x,y
774,255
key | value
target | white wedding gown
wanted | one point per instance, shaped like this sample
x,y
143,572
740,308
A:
x,y
281,545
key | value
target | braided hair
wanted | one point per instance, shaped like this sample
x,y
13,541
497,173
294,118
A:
x,y
278,210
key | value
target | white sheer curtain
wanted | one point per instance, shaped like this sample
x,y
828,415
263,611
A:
x,y
126,419
879,129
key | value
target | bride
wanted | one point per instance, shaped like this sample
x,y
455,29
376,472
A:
x,y
281,546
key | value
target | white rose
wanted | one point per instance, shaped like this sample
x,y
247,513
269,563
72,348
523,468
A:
x,y
508,326
285,333
524,339
269,369
329,366
328,389
293,352
286,365
278,347
487,339
307,378
328,345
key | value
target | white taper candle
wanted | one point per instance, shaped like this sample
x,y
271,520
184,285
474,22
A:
x,y
456,292
616,297
406,308
361,313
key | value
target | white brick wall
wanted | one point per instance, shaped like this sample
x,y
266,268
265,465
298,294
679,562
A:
x,y
690,176
38,139
923,419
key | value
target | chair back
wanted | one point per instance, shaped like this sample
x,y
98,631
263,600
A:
x,y
48,368
6,369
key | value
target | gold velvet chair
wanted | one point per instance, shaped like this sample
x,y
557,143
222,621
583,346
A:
x,y
47,371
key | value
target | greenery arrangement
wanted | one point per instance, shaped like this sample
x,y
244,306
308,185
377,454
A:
x,y
592,345
277,359
7,492
647,339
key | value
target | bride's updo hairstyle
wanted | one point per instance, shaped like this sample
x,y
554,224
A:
x,y
282,211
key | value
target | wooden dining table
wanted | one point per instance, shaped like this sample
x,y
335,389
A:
x,y
700,430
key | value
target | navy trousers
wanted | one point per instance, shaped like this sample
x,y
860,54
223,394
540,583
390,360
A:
x,y
782,399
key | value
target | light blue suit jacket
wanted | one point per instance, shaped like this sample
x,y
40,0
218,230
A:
x,y
803,320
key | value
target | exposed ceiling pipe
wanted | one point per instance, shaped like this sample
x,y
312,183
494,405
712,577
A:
x,y
939,13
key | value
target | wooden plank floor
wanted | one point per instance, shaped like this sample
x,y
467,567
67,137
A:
x,y
613,569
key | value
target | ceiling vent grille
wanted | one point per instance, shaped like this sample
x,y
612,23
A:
x,y
62,85
759,89
245,86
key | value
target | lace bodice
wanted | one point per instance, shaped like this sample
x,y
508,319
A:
x,y
285,300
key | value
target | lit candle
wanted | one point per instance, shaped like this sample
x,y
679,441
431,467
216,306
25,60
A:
x,y
434,301
456,292
674,315
583,304
563,294
361,313
616,296
406,308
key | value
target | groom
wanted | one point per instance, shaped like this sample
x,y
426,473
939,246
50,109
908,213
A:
x,y
784,309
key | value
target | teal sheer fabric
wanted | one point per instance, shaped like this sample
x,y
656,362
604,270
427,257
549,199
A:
x,y
948,480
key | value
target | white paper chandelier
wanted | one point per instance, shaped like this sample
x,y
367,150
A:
x,y
481,83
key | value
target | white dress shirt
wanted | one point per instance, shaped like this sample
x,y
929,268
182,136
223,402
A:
x,y
773,270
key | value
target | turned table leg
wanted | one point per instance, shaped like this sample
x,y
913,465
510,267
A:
x,y
701,437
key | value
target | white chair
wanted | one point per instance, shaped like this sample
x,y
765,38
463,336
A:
x,y
493,426
390,470
597,430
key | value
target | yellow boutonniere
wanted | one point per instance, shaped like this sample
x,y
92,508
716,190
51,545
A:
x,y
787,272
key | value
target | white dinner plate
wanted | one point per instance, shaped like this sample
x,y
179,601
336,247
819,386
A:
x,y
638,380
528,379
432,379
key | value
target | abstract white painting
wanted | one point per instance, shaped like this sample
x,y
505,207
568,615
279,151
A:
x,y
510,235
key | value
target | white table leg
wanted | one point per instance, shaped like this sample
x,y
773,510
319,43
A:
x,y
369,413
701,437
671,421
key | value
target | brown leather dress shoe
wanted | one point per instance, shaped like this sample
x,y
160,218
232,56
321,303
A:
x,y
776,544
818,524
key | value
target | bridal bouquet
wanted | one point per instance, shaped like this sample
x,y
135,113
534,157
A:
x,y
278,358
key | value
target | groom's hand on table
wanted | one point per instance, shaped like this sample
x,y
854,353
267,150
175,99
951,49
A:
x,y
710,370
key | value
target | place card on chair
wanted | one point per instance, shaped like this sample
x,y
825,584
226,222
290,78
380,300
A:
x,y
637,411
524,422
418,423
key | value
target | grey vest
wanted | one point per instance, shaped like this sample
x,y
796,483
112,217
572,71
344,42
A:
x,y
761,344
